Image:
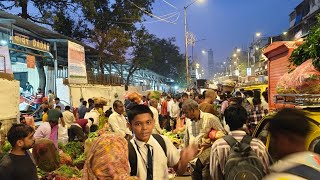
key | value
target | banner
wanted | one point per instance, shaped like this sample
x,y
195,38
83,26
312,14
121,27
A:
x,y
76,64
31,61
249,72
5,61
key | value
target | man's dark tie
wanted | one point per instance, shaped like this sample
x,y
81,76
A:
x,y
150,164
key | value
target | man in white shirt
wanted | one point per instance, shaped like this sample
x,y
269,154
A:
x,y
68,116
118,122
169,104
153,107
152,161
95,115
198,126
174,113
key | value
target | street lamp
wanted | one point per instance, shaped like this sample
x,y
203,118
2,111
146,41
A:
x,y
258,34
186,38
193,44
238,50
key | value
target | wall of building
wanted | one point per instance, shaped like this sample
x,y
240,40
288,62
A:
x,y
71,94
10,98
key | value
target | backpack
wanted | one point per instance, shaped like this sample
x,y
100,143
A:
x,y
133,159
242,162
304,171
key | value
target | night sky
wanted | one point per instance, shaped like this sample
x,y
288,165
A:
x,y
225,24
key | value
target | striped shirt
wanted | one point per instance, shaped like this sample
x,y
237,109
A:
x,y
220,151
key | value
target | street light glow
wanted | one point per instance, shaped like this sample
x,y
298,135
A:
x,y
258,34
203,51
285,33
234,55
257,48
238,50
3,42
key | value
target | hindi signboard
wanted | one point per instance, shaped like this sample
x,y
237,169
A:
x,y
30,42
76,64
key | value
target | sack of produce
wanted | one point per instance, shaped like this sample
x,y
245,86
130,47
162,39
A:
x,y
305,79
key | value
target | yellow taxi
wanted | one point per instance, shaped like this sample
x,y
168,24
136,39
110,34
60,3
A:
x,y
313,140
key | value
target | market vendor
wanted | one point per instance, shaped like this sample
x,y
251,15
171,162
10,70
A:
x,y
80,128
118,122
198,126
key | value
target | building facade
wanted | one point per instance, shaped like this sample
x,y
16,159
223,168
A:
x,y
211,68
302,18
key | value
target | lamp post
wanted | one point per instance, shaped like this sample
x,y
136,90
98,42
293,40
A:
x,y
186,39
193,44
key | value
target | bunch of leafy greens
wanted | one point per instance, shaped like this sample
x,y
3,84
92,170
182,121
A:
x,y
6,147
310,49
73,149
68,172
92,135
80,159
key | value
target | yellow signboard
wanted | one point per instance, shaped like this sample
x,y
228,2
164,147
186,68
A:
x,y
30,42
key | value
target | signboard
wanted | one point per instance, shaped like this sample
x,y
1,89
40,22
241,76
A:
x,y
237,72
5,61
249,72
76,64
31,61
30,42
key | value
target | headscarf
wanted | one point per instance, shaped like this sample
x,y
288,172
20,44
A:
x,y
46,155
108,159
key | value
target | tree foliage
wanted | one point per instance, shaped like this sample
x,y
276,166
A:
x,y
310,49
114,25
167,60
111,27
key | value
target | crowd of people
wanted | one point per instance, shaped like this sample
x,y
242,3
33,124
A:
x,y
216,129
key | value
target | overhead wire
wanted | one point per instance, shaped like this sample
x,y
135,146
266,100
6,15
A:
x,y
176,14
169,4
150,14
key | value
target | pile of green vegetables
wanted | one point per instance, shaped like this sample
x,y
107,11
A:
x,y
73,149
5,149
